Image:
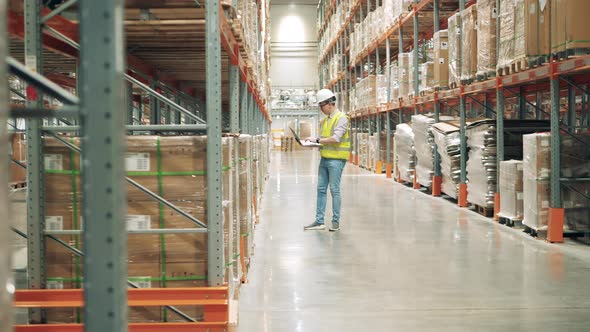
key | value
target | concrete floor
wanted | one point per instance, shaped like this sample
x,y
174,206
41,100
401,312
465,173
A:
x,y
404,261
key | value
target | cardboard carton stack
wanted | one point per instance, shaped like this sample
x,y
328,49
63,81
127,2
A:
x,y
569,27
487,14
441,59
469,41
172,167
511,190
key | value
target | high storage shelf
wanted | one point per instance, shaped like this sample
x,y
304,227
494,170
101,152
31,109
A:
x,y
559,77
192,61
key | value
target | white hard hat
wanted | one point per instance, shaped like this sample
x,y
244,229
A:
x,y
324,95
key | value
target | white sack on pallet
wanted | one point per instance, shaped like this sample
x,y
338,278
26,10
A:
x,y
424,146
404,153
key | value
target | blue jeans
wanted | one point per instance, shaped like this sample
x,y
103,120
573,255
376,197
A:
x,y
330,172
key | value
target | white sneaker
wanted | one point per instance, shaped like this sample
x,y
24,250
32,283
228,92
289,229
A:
x,y
314,227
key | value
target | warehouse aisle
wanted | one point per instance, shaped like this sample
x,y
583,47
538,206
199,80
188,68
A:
x,y
404,261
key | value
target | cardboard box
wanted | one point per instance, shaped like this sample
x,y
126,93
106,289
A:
x,y
537,27
441,59
18,151
569,28
469,43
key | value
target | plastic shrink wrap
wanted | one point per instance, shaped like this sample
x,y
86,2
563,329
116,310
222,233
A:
x,y
487,15
469,43
448,144
454,40
405,155
424,147
481,165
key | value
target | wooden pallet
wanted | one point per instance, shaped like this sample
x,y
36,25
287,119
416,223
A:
x,y
484,211
17,185
510,222
453,85
441,88
571,53
484,76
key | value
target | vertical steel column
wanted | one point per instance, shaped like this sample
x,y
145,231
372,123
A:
x,y
105,208
244,108
416,59
234,99
214,220
177,115
436,15
388,113
539,105
571,109
35,163
463,114
521,103
130,108
500,106
378,117
555,144
6,314
400,50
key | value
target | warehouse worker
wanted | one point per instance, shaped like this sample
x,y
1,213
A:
x,y
335,151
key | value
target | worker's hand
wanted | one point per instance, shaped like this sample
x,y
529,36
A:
x,y
311,139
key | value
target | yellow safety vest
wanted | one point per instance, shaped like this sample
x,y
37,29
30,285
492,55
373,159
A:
x,y
335,151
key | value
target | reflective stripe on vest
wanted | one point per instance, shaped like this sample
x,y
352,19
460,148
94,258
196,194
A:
x,y
335,151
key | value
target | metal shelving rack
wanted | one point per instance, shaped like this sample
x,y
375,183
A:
x,y
560,78
104,72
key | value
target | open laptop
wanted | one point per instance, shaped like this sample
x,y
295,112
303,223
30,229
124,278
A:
x,y
304,143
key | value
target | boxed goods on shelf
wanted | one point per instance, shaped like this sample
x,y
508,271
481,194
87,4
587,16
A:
x,y
512,37
454,40
486,37
404,60
426,76
363,149
448,144
246,196
18,148
537,169
424,147
575,162
371,91
372,152
172,167
404,153
441,59
394,82
469,43
537,29
569,27
511,190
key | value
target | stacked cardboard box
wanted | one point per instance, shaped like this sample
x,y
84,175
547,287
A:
x,y
441,59
469,43
569,28
246,196
18,152
172,167
426,76
404,76
363,146
537,169
511,190
537,27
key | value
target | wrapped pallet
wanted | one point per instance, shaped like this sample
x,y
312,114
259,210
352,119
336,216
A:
x,y
246,196
537,170
512,28
454,61
372,152
363,143
448,144
426,76
404,76
394,83
404,153
469,43
424,146
569,28
481,165
511,190
487,14
441,59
